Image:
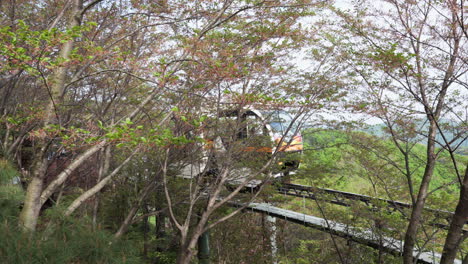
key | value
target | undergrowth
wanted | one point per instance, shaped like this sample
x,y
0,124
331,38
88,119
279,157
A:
x,y
59,240
63,242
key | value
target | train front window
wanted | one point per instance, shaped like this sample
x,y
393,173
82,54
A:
x,y
280,121
287,122
276,127
245,125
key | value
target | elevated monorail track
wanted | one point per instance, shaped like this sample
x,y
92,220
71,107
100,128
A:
x,y
362,236
347,199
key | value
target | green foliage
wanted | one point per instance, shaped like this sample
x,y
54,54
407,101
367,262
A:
x,y
354,161
306,245
324,158
125,134
67,241
11,195
366,164
29,49
164,257
7,172
244,239
62,241
390,57
11,198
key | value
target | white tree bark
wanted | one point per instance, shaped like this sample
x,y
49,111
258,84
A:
x,y
89,193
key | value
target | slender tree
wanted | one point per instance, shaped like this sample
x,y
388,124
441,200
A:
x,y
414,57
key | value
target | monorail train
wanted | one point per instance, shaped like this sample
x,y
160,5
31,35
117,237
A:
x,y
256,135
282,136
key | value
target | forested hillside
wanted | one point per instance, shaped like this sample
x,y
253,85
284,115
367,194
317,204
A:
x,y
352,161
140,131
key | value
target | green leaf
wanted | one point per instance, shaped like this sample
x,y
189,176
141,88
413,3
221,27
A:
x,y
128,121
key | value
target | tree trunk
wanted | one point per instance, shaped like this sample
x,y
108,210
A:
x,y
188,246
454,235
89,193
185,256
30,212
413,225
128,220
62,177
146,230
32,207
161,218
32,203
103,170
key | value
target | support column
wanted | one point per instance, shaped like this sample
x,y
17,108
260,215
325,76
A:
x,y
204,248
274,246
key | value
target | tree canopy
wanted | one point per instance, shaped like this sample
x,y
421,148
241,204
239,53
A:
x,y
127,116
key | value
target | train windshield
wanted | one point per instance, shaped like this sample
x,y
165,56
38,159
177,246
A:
x,y
280,121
